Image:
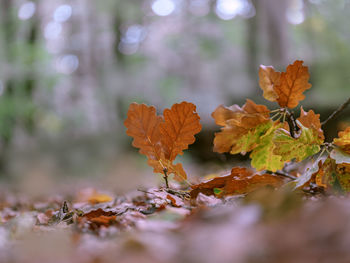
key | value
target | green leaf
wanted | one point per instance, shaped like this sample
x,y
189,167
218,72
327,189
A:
x,y
251,140
340,156
263,157
307,144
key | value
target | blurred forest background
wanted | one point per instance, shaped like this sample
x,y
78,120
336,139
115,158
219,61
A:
x,y
70,69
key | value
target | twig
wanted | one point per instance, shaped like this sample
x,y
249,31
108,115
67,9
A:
x,y
283,174
292,123
286,175
165,171
337,112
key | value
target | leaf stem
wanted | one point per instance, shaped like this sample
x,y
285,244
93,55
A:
x,y
284,175
336,113
293,127
165,171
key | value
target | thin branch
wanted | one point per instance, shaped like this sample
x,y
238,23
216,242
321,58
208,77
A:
x,y
283,174
286,175
293,127
336,113
165,171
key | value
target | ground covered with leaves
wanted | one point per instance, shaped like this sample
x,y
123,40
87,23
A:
x,y
162,225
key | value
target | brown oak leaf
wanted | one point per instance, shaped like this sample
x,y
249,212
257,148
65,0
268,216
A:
x,y
180,125
311,120
268,78
240,181
237,122
343,140
292,84
160,138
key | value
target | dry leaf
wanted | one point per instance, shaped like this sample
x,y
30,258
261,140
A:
x,y
311,120
96,218
292,84
142,124
99,198
268,78
343,140
240,181
181,123
239,124
162,139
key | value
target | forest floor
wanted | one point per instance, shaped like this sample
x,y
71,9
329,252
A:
x,y
158,225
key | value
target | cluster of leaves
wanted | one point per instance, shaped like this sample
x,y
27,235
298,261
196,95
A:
x,y
273,138
162,138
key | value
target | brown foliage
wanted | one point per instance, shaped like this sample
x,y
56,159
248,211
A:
x,y
240,181
160,138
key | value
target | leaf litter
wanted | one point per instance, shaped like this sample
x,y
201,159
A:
x,y
162,225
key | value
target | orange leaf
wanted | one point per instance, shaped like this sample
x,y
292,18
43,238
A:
x,y
96,218
311,120
292,84
178,130
162,139
240,181
344,140
268,78
99,198
237,122
142,124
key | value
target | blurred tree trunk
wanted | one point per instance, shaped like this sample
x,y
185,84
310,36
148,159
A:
x,y
266,41
276,30
252,46
14,85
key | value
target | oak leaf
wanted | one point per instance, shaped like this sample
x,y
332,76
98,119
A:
x,y
312,121
292,84
307,144
160,138
343,140
142,124
263,157
309,175
180,125
241,127
268,78
97,218
340,156
240,181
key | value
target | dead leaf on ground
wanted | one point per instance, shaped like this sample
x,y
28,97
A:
x,y
240,181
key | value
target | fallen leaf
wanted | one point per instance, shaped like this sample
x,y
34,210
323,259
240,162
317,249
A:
x,y
96,218
240,181
99,198
292,84
268,78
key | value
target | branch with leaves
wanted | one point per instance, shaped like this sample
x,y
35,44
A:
x,y
274,139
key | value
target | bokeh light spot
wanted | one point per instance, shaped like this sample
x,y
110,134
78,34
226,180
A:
x,y
26,10
53,30
67,64
62,13
163,7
